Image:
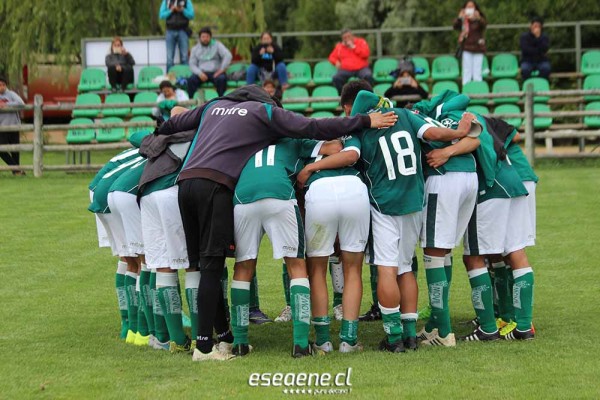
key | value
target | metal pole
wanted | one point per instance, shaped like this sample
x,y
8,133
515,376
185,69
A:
x,y
379,44
38,136
578,46
529,140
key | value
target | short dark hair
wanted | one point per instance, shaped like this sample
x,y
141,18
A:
x,y
268,82
351,89
537,18
205,29
165,84
345,30
3,79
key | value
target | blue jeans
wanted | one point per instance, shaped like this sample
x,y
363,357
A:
x,y
194,83
342,76
177,39
543,67
280,73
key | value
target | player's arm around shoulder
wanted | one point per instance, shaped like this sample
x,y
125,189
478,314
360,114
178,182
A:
x,y
439,134
438,157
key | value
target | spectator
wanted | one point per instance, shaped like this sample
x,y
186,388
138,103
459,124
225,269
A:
x,y
534,46
167,99
120,66
208,61
178,14
351,58
9,98
406,84
267,62
471,22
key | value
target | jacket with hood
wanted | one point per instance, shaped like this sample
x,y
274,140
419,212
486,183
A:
x,y
209,58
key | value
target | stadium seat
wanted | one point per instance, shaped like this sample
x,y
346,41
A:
x,y
181,71
593,121
510,109
323,73
590,62
139,118
324,91
506,85
541,122
485,67
382,69
295,93
424,86
445,68
421,62
539,84
233,68
80,136
87,99
116,98
323,114
209,94
505,66
92,79
146,78
143,97
481,110
592,82
380,89
439,87
107,135
298,73
473,87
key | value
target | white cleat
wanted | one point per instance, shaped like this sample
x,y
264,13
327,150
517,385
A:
x,y
424,335
448,341
285,316
214,355
338,312
347,348
225,347
326,347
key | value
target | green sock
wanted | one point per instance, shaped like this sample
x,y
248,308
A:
x,y
523,297
373,271
122,296
142,324
192,281
448,268
300,303
437,284
349,332
505,307
170,303
392,324
160,325
483,298
132,303
414,266
337,282
254,302
286,283
321,325
146,300
409,325
240,310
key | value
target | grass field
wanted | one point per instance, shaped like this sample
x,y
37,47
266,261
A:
x,y
59,321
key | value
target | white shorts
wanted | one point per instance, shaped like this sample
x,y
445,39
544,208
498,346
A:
x,y
280,219
394,239
124,206
498,226
116,234
103,240
162,230
530,186
450,200
336,206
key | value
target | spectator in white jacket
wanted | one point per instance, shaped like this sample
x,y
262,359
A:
x,y
167,99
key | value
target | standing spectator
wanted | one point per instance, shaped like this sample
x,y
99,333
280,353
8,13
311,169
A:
x,y
178,14
471,22
534,47
167,99
267,62
208,61
9,98
406,84
351,58
120,65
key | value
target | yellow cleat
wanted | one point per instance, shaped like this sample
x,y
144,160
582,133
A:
x,y
130,338
141,340
500,323
506,329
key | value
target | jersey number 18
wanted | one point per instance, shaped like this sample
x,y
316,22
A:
x,y
402,154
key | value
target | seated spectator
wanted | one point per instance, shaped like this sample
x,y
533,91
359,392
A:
x,y
272,89
120,66
406,84
534,46
208,61
267,62
351,58
167,99
9,98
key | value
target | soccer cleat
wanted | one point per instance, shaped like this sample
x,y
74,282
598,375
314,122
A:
x,y
500,323
151,340
256,316
192,346
348,348
160,346
141,340
474,322
326,347
338,312
299,352
410,343
425,313
512,333
437,340
224,347
285,315
130,338
214,355
374,314
241,350
397,347
424,335
180,348
480,336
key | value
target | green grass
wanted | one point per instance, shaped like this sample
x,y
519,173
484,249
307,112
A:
x,y
59,321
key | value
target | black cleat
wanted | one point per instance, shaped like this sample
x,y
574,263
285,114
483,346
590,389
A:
x,y
410,343
374,314
299,352
516,334
397,347
240,350
480,336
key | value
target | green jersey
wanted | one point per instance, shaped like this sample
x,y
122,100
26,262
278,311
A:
x,y
267,175
113,163
100,201
351,143
507,184
129,181
520,163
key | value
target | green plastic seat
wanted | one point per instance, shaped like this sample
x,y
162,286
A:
x,y
505,85
421,62
323,114
439,87
485,67
591,82
590,62
80,136
146,78
541,122
209,94
116,98
324,91
139,118
505,66
380,88
445,68
424,86
510,109
592,121
87,99
539,84
298,73
473,87
382,69
235,68
143,97
108,135
92,79
295,93
181,71
481,110
323,73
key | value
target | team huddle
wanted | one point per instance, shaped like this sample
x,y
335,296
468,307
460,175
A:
x,y
209,183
